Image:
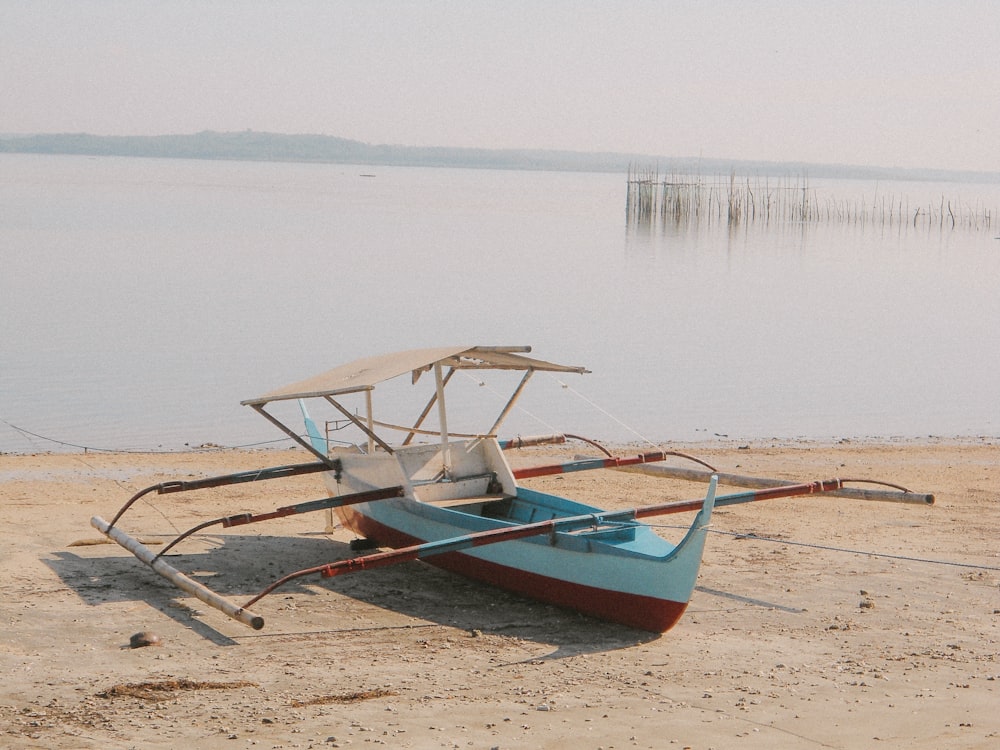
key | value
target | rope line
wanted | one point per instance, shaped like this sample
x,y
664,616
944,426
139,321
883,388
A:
x,y
830,548
92,449
481,382
605,412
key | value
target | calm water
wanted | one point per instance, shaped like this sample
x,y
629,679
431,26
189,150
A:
x,y
141,300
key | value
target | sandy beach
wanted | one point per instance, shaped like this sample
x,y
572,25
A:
x,y
818,622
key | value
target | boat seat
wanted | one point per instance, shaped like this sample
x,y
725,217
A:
x,y
456,502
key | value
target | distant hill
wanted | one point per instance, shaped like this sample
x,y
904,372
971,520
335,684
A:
x,y
253,146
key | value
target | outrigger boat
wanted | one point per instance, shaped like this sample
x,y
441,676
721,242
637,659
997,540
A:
x,y
454,500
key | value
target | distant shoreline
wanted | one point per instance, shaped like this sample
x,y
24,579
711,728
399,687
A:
x,y
620,448
258,146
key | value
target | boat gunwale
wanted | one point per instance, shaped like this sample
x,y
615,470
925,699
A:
x,y
588,540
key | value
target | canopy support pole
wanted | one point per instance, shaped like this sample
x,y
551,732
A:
x,y
510,402
362,426
259,408
439,383
427,409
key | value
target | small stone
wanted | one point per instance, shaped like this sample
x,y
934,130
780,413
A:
x,y
144,638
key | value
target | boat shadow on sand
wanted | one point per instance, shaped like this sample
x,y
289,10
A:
x,y
409,595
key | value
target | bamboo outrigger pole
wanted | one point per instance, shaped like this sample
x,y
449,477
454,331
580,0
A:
x,y
254,475
326,503
585,464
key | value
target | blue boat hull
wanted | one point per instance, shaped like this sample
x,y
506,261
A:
x,y
625,574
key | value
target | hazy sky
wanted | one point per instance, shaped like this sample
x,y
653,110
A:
x,y
896,83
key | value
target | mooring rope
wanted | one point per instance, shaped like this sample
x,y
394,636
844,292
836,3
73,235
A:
x,y
642,438
92,449
502,399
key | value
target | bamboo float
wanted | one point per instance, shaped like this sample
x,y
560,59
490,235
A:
x,y
181,581
737,480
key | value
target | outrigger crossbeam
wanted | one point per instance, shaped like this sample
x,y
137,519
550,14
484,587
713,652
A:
x,y
326,503
254,475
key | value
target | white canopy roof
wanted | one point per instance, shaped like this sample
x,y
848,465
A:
x,y
365,374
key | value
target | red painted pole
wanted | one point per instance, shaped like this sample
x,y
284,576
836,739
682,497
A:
x,y
589,463
737,498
